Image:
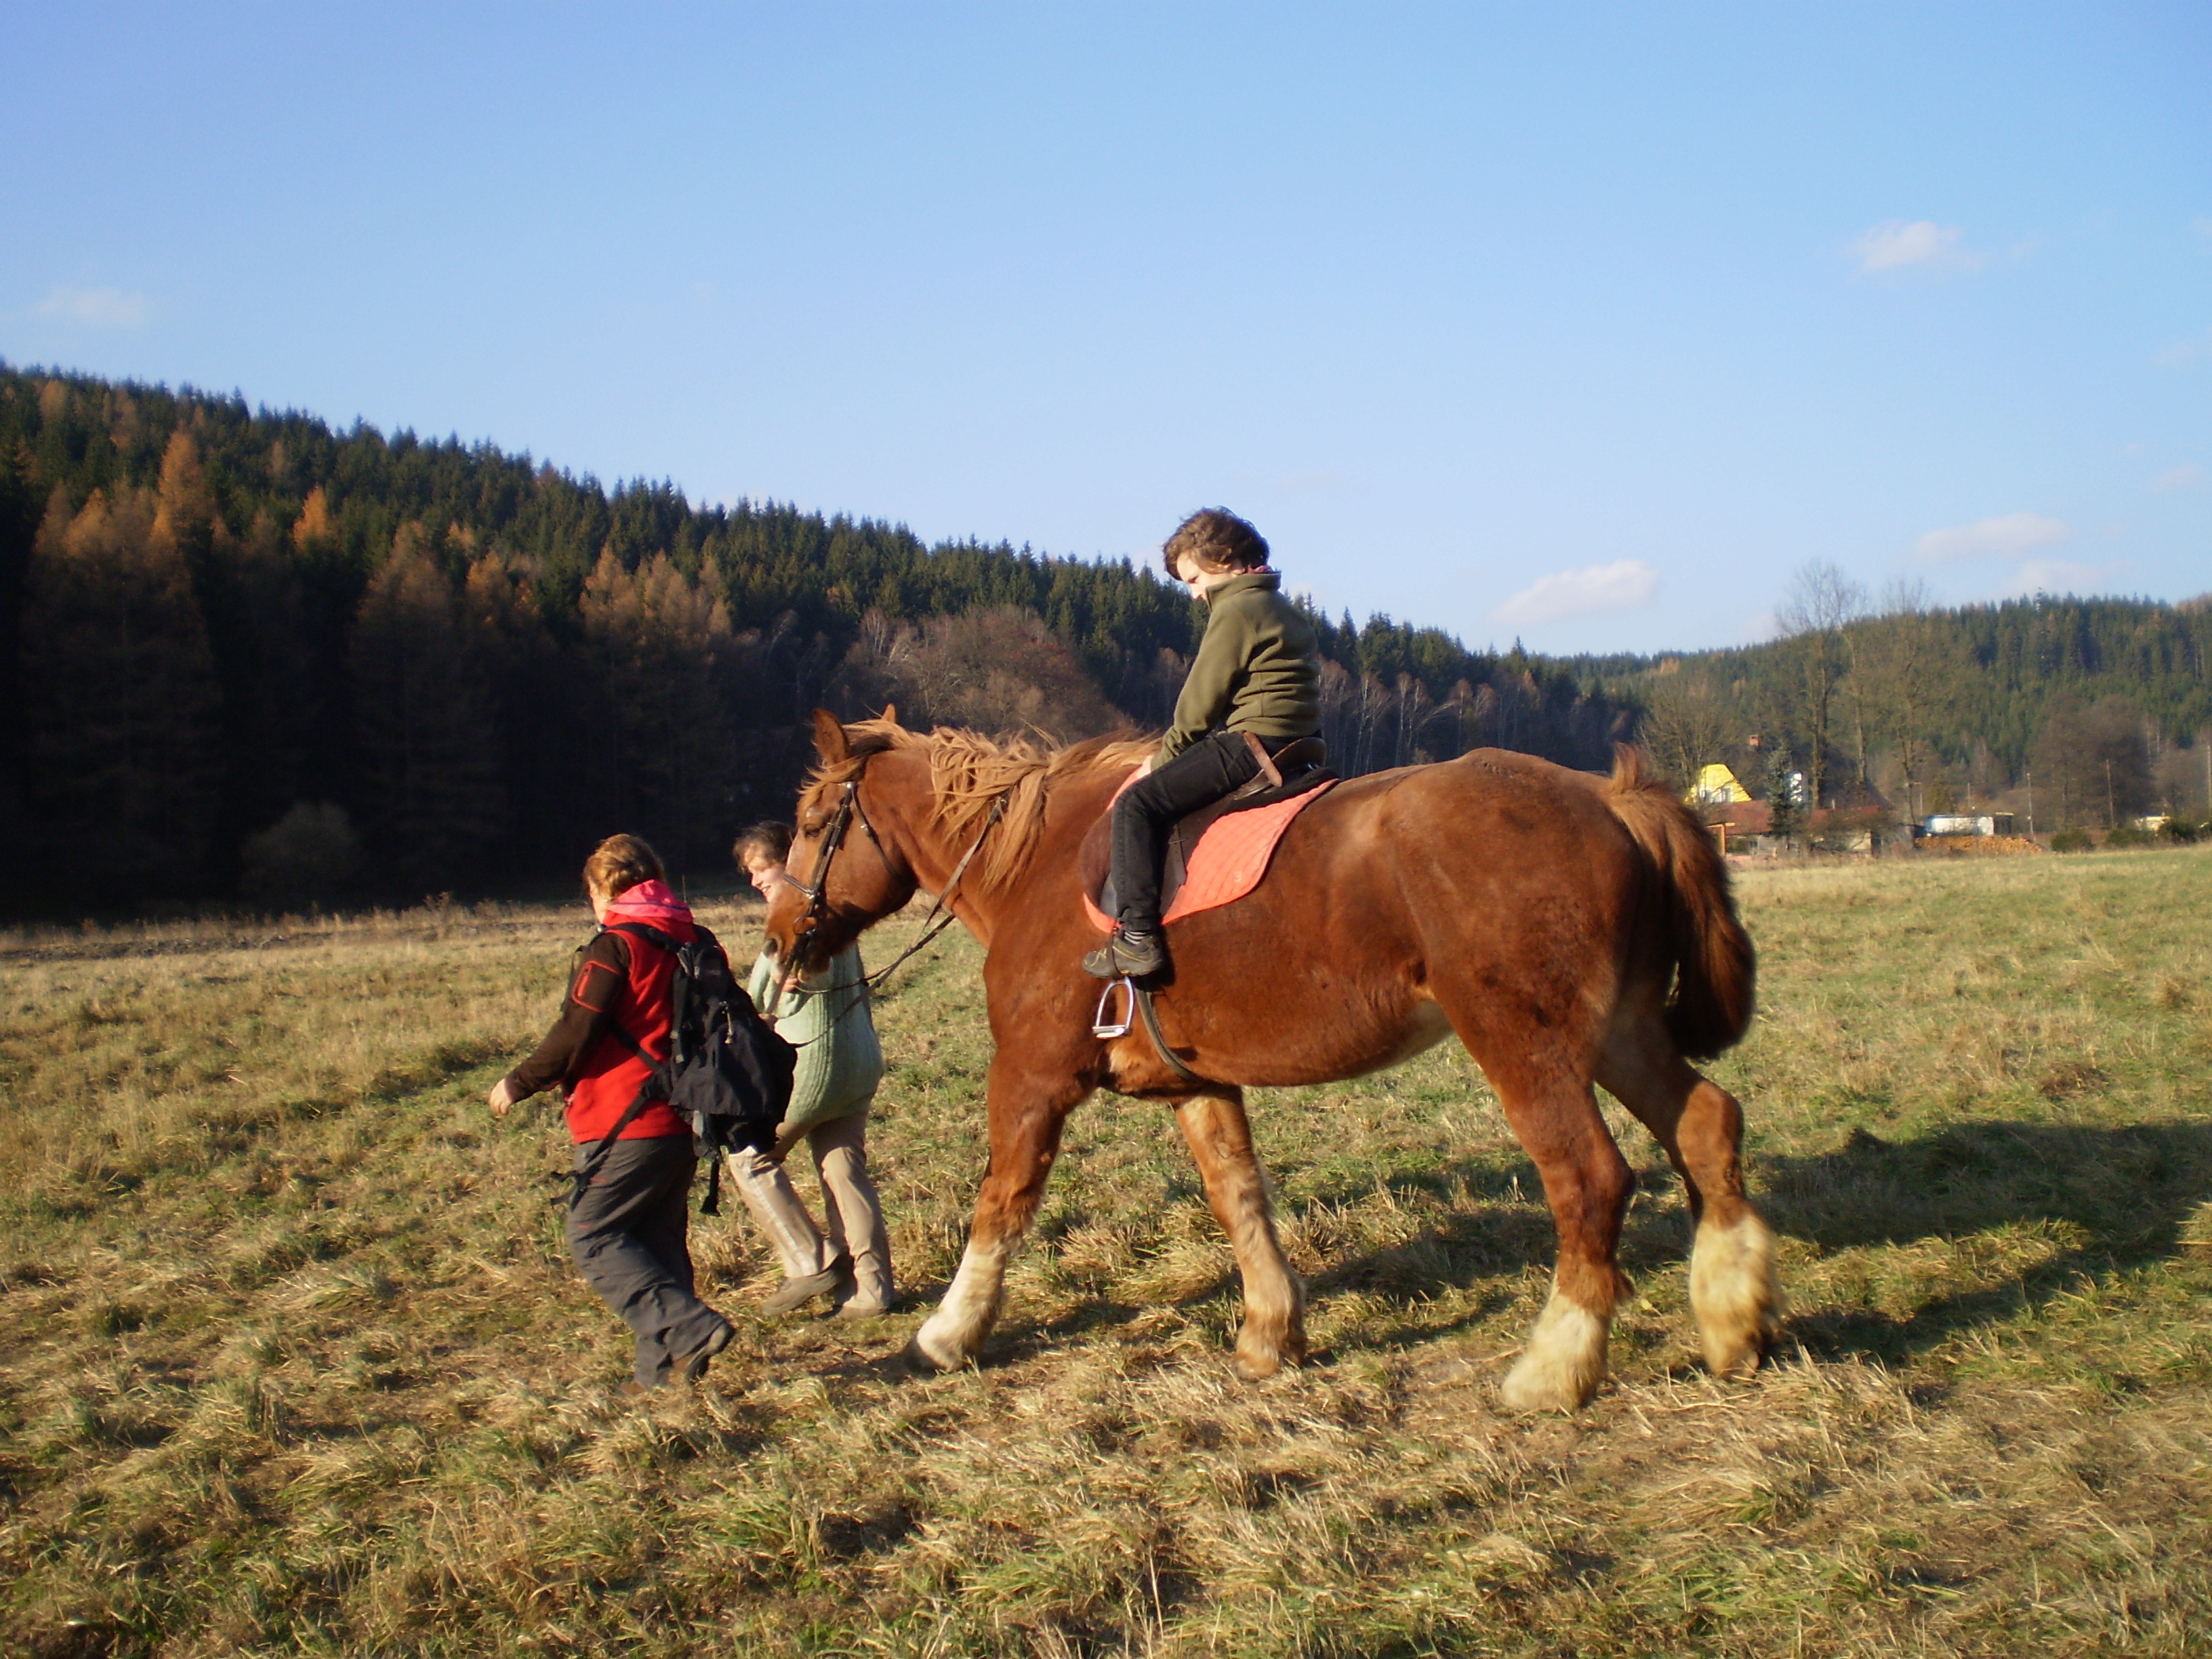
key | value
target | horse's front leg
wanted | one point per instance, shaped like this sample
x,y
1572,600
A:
x,y
1220,1138
1027,1111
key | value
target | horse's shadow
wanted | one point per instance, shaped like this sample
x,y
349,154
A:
x,y
2106,1201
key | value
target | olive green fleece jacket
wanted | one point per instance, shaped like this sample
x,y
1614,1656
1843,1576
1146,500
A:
x,y
1258,668
826,1019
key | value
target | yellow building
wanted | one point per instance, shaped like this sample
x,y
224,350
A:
x,y
1716,787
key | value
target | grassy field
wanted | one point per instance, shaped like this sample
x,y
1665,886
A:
x,y
291,1358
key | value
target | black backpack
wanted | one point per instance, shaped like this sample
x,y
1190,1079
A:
x,y
726,1073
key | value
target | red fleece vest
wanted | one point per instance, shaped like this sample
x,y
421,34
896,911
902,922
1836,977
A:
x,y
612,1074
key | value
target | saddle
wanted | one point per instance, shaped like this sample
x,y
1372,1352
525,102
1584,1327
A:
x,y
1287,781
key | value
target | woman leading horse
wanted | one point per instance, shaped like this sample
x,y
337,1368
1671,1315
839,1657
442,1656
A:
x,y
1571,930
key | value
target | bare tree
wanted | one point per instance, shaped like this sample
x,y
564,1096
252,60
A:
x,y
1684,725
1908,666
1820,601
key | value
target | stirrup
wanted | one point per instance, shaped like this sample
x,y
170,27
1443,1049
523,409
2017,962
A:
x,y
1102,1023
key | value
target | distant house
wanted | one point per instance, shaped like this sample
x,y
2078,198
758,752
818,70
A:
x,y
1968,823
1717,786
1724,806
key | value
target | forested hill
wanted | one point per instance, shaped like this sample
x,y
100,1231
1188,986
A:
x,y
248,654
1908,707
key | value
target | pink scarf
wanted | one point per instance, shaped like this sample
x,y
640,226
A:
x,y
654,904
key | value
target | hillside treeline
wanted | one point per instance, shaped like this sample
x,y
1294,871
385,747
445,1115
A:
x,y
248,654
2081,712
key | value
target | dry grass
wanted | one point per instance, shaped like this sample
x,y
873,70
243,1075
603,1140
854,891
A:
x,y
291,1359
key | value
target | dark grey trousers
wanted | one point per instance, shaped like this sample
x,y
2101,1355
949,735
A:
x,y
1218,764
629,1234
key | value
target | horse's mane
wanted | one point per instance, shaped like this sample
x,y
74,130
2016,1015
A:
x,y
968,771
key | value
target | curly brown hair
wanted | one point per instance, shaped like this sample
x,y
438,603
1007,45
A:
x,y
1214,539
620,863
769,842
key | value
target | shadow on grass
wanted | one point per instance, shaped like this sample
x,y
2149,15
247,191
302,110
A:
x,y
2125,1194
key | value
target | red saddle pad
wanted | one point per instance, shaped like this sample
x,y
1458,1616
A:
x,y
1229,859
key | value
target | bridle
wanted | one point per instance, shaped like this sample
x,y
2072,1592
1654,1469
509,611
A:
x,y
849,806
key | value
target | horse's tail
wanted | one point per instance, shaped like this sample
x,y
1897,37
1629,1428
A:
x,y
1714,971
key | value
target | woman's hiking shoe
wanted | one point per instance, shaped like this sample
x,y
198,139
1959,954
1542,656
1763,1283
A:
x,y
795,1293
692,1366
1132,951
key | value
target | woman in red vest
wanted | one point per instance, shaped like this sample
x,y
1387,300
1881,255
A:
x,y
628,1230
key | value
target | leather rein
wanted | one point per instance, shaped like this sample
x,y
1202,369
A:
x,y
849,806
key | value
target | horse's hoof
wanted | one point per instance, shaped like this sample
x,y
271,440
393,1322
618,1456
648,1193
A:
x,y
1527,1396
925,1355
1257,1367
921,1359
1563,1364
1736,1358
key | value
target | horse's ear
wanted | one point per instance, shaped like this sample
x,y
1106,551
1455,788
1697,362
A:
x,y
829,738
890,713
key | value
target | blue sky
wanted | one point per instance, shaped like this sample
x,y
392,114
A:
x,y
1584,325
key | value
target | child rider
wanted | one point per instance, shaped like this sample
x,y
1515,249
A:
x,y
1258,670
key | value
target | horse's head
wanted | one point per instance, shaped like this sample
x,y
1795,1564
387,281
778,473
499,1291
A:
x,y
843,875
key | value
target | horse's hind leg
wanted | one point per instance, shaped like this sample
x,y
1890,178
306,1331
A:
x,y
1734,1294
1220,1139
1027,1109
1555,1116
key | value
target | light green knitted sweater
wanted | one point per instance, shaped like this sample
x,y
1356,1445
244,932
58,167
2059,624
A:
x,y
826,1019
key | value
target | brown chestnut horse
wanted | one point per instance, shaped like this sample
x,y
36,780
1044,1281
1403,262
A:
x,y
1570,928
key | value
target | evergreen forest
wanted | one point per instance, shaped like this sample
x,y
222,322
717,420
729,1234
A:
x,y
251,656
254,658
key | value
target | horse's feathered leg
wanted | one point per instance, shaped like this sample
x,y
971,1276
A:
x,y
1028,1108
1588,1183
1734,1292
1555,1116
1220,1139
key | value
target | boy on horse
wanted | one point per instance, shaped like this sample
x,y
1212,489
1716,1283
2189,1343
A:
x,y
1257,671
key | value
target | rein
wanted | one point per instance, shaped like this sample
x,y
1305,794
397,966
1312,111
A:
x,y
933,924
938,919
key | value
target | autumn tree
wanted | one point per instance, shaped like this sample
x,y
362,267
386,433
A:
x,y
538,708
119,699
672,672
270,671
999,669
430,794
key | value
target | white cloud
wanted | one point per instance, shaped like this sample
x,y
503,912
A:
x,y
1893,245
2006,537
102,307
2053,576
2187,476
2182,353
1621,585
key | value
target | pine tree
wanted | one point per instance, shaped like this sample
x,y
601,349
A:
x,y
537,709
673,671
119,699
429,777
